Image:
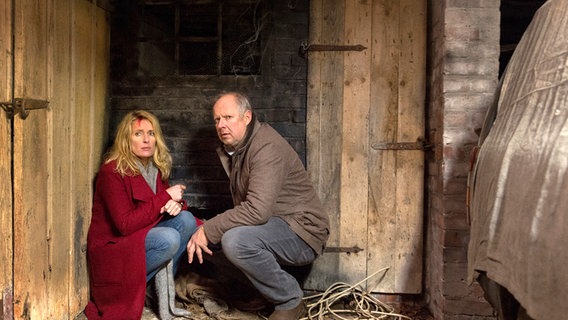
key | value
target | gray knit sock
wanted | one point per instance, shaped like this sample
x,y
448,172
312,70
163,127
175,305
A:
x,y
172,294
165,289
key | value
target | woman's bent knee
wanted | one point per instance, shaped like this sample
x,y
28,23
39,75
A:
x,y
187,222
168,239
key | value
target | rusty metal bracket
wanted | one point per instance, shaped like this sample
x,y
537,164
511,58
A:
x,y
354,249
418,145
22,106
304,48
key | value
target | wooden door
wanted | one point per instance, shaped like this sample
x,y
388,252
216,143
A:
x,y
365,122
58,58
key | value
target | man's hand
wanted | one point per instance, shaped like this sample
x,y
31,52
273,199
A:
x,y
198,244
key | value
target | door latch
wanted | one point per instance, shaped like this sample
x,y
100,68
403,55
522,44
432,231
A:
x,y
22,106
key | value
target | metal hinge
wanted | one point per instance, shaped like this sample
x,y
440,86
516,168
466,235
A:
x,y
22,106
304,48
418,145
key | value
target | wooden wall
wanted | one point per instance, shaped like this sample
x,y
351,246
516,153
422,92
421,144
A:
x,y
6,249
61,55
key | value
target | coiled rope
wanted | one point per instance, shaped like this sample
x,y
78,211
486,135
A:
x,y
362,304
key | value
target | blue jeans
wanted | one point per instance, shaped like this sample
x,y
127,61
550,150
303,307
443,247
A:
x,y
259,251
167,240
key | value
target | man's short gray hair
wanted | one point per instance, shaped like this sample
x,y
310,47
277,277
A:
x,y
241,99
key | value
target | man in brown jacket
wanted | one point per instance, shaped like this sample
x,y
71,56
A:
x,y
277,218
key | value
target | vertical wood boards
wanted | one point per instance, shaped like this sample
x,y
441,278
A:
x,y
96,123
410,163
377,195
82,66
62,55
397,175
90,58
324,118
354,186
383,219
6,250
60,215
31,136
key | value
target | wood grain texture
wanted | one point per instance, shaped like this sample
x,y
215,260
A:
x,y
374,197
62,55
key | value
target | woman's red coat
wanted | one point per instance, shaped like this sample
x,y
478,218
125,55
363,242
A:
x,y
124,209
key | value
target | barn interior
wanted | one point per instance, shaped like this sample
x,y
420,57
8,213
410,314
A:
x,y
321,72
170,57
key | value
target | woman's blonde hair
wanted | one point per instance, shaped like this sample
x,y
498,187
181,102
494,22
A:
x,y
121,152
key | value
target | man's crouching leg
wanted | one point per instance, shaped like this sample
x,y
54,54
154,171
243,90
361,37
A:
x,y
259,252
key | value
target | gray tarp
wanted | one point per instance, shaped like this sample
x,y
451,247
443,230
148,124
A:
x,y
519,204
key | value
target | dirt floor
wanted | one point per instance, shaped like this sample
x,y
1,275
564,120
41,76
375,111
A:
x,y
215,290
200,313
212,310
414,313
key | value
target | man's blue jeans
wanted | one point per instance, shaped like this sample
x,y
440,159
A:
x,y
259,251
167,240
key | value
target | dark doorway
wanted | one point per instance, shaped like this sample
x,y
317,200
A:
x,y
516,16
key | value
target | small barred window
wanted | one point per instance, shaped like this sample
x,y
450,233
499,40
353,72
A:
x,y
199,37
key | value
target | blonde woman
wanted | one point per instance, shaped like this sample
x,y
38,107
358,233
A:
x,y
139,222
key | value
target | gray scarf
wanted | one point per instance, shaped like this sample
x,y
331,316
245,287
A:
x,y
150,174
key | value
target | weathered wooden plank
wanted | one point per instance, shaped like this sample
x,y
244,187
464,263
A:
x,y
397,175
80,74
100,115
31,244
90,114
325,96
410,164
313,129
6,250
354,189
85,68
60,215
383,124
31,136
314,96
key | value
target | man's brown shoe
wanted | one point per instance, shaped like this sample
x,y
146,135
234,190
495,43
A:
x,y
292,314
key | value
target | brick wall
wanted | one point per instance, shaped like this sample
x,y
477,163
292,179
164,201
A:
x,y
463,71
183,104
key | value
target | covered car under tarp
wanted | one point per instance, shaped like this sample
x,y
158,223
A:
x,y
519,183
